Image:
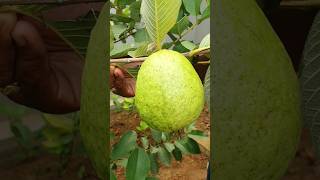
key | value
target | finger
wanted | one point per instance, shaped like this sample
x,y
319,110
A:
x,y
7,24
31,54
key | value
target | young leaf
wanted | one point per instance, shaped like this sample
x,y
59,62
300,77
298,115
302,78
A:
x,y
138,165
159,16
164,156
192,6
153,163
142,126
126,144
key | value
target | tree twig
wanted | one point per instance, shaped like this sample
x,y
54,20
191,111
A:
x,y
299,3
29,2
141,59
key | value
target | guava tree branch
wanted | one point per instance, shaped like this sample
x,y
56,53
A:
x,y
299,3
141,59
28,2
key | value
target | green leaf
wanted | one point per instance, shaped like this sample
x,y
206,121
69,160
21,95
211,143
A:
x,y
118,30
177,154
159,16
59,122
192,6
112,175
141,36
11,110
180,48
181,26
135,11
140,51
205,42
164,156
205,14
145,142
126,144
189,145
310,80
197,134
22,134
154,167
124,2
142,126
121,50
77,31
169,147
189,45
156,135
94,115
138,165
119,18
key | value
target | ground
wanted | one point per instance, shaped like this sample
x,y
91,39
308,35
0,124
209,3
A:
x,y
45,167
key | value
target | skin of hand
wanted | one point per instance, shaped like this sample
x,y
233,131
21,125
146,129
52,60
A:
x,y
47,70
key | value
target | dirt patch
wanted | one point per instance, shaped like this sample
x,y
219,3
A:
x,y
192,167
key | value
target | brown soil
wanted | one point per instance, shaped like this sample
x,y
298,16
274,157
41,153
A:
x,y
44,167
192,167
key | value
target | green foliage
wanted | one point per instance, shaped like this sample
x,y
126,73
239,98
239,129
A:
x,y
94,115
309,80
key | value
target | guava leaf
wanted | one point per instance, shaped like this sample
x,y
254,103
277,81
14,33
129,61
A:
x,y
310,83
153,163
205,42
126,144
159,16
94,115
181,25
192,6
164,156
138,165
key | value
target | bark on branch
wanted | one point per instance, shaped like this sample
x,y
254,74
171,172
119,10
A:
x,y
29,2
141,59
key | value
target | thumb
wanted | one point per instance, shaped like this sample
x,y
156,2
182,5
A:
x,y
7,23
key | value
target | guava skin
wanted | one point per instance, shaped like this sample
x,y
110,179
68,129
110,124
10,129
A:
x,y
169,93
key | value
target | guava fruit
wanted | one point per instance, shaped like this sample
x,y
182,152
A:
x,y
256,98
169,92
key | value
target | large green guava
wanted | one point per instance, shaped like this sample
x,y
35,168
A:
x,y
169,92
256,100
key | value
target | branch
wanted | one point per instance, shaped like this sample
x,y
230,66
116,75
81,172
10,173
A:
x,y
29,2
299,3
141,59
